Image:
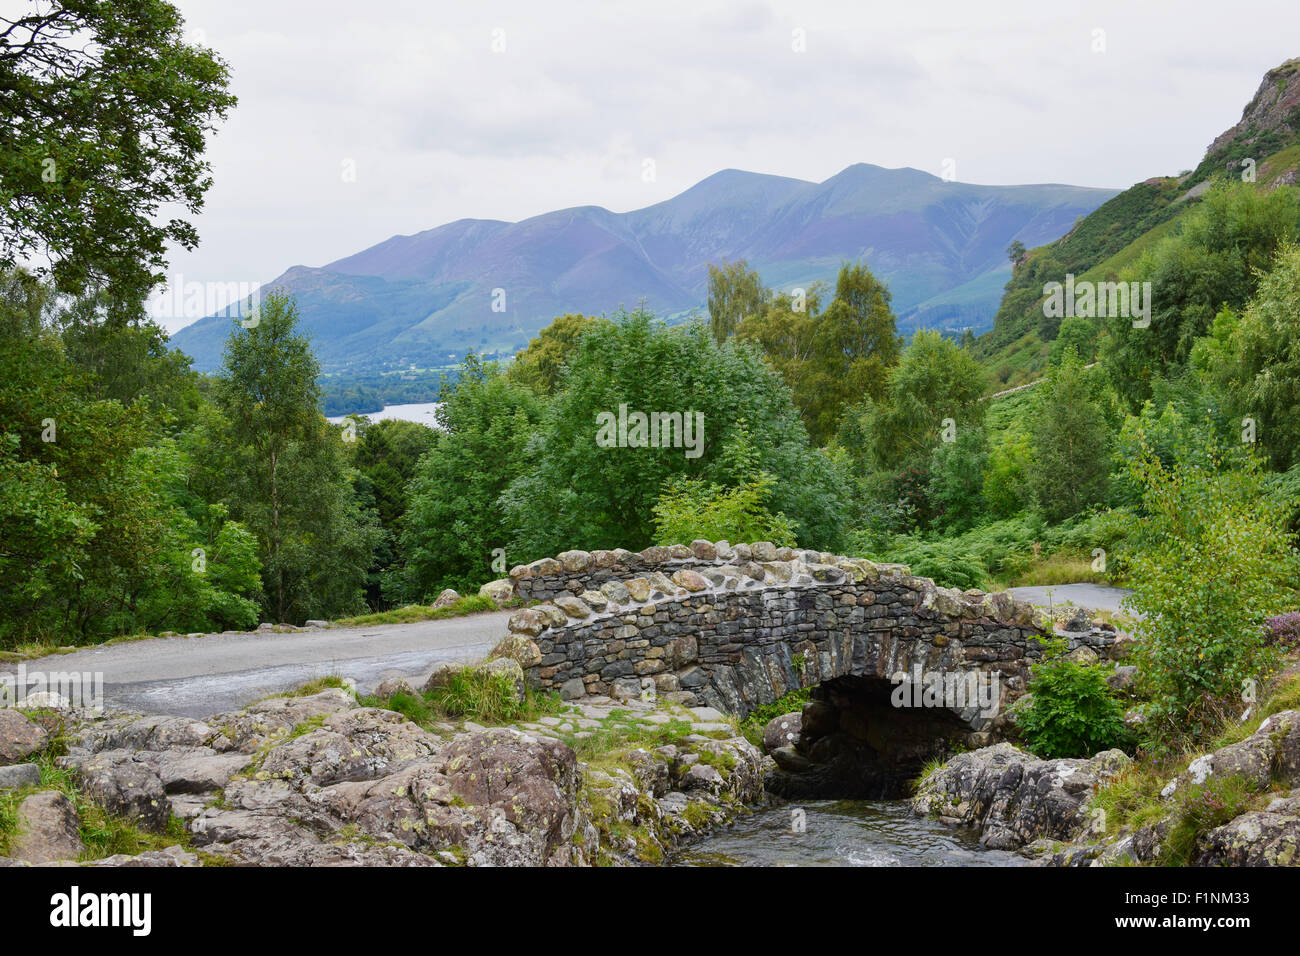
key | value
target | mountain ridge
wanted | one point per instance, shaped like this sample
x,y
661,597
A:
x,y
425,298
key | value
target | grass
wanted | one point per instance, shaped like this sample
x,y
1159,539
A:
x,y
1131,799
1062,567
311,688
472,604
469,693
620,733
102,834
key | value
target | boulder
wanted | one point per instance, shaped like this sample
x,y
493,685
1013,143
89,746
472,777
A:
x,y
122,786
47,829
20,775
1268,837
519,648
1123,678
1271,753
392,686
574,561
1012,797
528,621
447,598
19,737
574,607
621,593
500,592
690,580
782,731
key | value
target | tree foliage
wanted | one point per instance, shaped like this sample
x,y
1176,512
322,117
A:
x,y
106,112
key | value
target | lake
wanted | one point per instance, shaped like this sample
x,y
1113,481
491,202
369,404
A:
x,y
421,412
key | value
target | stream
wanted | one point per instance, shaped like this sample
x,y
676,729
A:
x,y
844,833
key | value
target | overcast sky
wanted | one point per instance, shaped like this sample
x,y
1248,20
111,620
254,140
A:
x,y
434,124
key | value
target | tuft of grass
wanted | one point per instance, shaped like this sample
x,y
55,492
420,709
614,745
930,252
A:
x,y
1200,809
471,604
470,693
102,833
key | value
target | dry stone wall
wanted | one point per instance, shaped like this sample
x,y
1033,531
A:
x,y
737,627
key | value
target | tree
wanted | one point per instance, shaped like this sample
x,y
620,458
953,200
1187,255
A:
x,y
735,292
691,508
1263,369
854,346
1226,246
541,365
454,518
97,530
1078,333
1070,441
589,483
106,110
935,382
281,469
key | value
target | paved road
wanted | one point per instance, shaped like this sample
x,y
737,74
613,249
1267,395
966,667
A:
x,y
1096,597
201,676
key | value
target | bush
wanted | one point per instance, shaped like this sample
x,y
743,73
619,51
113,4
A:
x,y
947,561
1073,713
1215,562
691,508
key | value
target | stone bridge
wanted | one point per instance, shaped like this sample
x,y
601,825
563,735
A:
x,y
899,666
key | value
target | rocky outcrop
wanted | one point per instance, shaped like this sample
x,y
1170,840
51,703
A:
x,y
1268,837
1014,798
319,780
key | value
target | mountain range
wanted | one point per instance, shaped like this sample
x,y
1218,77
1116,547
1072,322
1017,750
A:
x,y
423,300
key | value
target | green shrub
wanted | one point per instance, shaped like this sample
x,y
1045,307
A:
x,y
690,508
1073,713
1215,561
947,561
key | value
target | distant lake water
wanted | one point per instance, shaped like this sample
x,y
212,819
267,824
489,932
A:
x,y
422,412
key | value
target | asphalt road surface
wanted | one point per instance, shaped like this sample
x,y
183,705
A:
x,y
202,676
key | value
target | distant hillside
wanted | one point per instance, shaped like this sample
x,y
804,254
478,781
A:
x,y
1114,235
425,299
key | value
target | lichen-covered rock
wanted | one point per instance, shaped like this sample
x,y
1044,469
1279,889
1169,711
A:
x,y
47,829
392,686
517,647
258,724
447,598
782,731
500,592
1268,837
574,607
19,737
17,776
1271,753
123,786
353,745
1012,797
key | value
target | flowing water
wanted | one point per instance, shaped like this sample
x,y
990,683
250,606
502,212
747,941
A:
x,y
844,833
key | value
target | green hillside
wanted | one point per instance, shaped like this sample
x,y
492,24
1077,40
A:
x,y
1114,237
